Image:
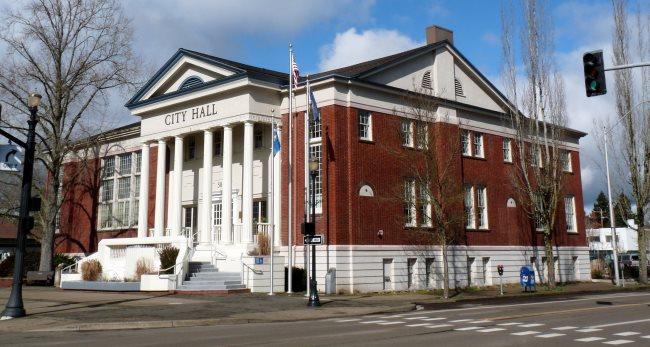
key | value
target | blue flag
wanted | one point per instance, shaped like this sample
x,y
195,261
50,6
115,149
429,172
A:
x,y
276,142
314,107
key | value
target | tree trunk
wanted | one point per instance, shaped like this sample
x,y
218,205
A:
x,y
49,226
550,263
445,270
643,257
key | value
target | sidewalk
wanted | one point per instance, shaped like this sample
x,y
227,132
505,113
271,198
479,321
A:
x,y
53,309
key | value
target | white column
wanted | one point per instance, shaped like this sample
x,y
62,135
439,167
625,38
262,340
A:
x,y
277,193
143,207
206,195
247,189
159,222
177,207
226,188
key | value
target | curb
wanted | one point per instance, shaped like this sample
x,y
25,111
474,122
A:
x,y
137,325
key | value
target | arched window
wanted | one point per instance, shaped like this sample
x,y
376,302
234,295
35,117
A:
x,y
191,82
426,80
458,87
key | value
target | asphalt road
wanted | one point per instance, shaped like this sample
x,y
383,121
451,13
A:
x,y
612,319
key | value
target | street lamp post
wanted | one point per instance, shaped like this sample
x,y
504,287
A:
x,y
14,308
314,301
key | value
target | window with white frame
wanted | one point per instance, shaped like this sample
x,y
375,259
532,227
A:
x,y
365,125
218,141
422,135
478,145
406,131
481,208
566,161
424,204
535,156
570,213
507,150
315,151
465,143
409,203
469,207
540,225
216,213
119,191
259,211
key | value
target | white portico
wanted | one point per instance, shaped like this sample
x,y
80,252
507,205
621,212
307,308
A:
x,y
211,125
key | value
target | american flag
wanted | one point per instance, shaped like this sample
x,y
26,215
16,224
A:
x,y
295,72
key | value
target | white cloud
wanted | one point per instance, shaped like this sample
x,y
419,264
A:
x,y
351,47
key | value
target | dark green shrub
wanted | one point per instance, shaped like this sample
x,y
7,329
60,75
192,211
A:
x,y
62,259
168,257
298,279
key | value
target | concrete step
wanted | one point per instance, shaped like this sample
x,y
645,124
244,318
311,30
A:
x,y
209,282
197,287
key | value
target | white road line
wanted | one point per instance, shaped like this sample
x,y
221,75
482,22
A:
x,y
439,326
460,320
565,328
420,317
591,297
468,328
390,323
531,325
618,342
620,323
432,319
373,322
547,336
645,337
417,325
348,320
491,330
509,324
627,333
481,321
589,339
524,333
588,330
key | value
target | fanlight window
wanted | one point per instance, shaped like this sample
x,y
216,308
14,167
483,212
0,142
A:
x,y
191,82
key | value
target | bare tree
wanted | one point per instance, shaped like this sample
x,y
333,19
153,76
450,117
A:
x,y
73,52
539,127
635,121
432,193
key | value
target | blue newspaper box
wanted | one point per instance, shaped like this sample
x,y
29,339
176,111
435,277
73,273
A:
x,y
527,278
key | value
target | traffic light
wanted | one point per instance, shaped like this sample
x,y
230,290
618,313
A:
x,y
594,73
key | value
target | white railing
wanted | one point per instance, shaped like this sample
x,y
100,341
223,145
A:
x,y
192,236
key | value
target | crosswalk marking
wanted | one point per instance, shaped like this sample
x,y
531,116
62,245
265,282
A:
x,y
509,324
627,333
524,333
645,337
589,339
460,320
565,328
348,320
491,330
417,325
480,321
420,317
547,336
373,322
588,330
531,325
391,323
468,328
432,319
618,342
439,326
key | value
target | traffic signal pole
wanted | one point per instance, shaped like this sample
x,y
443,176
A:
x,y
627,66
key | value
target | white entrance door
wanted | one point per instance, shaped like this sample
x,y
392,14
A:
x,y
189,223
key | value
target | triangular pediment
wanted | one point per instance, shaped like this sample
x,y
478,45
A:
x,y
184,71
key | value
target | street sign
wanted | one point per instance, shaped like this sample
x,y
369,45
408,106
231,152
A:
x,y
313,239
11,158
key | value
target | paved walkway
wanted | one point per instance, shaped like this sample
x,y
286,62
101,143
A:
x,y
55,309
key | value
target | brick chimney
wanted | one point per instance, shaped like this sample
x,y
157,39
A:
x,y
437,34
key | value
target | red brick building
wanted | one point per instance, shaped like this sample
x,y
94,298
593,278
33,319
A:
x,y
212,120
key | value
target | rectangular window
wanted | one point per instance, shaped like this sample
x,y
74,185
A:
x,y
365,125
191,148
481,208
124,187
122,214
315,152
464,143
259,139
409,202
218,140
570,213
138,161
407,133
478,145
535,156
109,167
315,128
107,190
507,150
566,161
134,212
106,215
422,135
125,164
424,204
259,211
539,223
216,213
136,188
469,207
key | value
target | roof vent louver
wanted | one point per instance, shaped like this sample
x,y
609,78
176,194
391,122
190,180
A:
x,y
458,87
426,80
191,82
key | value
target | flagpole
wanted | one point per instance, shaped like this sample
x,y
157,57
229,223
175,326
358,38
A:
x,y
306,189
271,199
290,205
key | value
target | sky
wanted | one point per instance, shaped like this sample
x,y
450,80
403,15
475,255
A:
x,y
332,33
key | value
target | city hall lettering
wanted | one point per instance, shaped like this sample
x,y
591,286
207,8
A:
x,y
194,113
